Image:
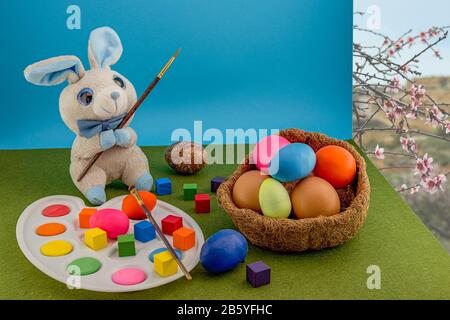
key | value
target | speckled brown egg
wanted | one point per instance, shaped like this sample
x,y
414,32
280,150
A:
x,y
313,197
246,190
186,157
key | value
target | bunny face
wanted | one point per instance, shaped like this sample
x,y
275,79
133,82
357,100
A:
x,y
101,94
98,94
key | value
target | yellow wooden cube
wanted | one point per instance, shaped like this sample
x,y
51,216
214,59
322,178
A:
x,y
164,263
95,238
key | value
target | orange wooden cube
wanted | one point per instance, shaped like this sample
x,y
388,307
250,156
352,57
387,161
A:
x,y
184,238
84,216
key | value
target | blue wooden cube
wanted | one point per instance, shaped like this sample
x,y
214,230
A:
x,y
144,231
163,186
216,182
258,274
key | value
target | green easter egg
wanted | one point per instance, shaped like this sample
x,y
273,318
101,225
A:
x,y
274,199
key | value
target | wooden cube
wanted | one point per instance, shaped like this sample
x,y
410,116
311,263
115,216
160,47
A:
x,y
164,264
202,203
190,190
216,182
171,223
163,186
144,231
258,274
95,238
126,245
84,216
184,238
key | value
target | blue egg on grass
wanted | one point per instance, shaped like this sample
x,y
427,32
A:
x,y
292,162
223,251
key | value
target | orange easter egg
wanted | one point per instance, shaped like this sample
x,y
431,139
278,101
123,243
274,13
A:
x,y
133,210
336,165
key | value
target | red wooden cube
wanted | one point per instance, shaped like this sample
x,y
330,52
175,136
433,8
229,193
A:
x,y
171,223
202,203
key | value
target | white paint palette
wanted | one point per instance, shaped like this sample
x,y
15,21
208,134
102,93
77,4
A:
x,y
56,267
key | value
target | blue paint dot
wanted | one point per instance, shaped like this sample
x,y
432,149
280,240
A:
x,y
156,251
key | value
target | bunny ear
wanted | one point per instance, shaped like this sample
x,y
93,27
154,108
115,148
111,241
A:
x,y
104,47
55,70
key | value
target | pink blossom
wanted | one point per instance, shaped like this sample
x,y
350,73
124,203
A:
x,y
405,143
423,165
389,104
432,185
415,189
423,36
434,116
404,69
394,85
447,127
417,92
410,41
379,152
391,52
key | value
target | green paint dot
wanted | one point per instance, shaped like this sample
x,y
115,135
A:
x,y
84,266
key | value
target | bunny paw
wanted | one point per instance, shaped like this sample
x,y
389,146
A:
x,y
96,195
144,182
123,137
107,139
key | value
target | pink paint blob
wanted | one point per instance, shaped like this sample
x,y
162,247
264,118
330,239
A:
x,y
129,276
114,222
265,149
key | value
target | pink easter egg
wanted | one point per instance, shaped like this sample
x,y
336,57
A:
x,y
265,149
114,222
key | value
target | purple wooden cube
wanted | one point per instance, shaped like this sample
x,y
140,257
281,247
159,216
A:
x,y
216,182
258,274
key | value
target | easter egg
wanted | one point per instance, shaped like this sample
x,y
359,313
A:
x,y
114,222
294,161
265,149
223,251
274,199
336,165
314,196
186,157
246,190
132,208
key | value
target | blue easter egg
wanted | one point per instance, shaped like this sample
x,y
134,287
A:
x,y
292,162
223,251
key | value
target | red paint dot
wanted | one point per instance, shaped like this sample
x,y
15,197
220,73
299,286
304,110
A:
x,y
56,210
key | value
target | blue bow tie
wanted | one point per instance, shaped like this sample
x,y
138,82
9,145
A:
x,y
89,128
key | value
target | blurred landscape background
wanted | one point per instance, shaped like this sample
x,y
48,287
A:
x,y
395,19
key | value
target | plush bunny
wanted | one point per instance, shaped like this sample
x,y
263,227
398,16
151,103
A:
x,y
92,106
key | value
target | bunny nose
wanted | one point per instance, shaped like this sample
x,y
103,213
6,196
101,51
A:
x,y
115,95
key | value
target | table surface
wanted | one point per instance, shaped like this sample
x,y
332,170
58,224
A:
x,y
412,262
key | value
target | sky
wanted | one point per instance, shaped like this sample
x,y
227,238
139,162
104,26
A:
x,y
398,16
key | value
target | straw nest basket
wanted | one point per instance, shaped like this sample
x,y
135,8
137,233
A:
x,y
294,235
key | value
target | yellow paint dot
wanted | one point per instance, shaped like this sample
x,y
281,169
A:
x,y
56,248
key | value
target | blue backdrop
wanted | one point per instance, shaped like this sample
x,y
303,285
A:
x,y
244,64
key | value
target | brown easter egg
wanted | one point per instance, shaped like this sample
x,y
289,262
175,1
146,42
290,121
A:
x,y
246,190
186,157
314,196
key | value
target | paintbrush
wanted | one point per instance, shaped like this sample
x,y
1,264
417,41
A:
x,y
138,198
132,111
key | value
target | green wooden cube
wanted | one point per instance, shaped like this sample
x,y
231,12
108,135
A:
x,y
190,190
126,245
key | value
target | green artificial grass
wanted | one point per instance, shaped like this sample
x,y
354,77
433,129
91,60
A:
x,y
413,264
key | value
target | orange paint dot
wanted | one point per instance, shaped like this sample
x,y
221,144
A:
x,y
50,229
